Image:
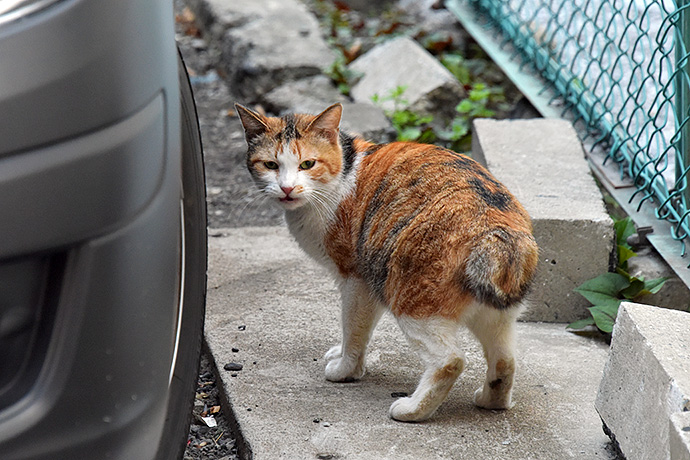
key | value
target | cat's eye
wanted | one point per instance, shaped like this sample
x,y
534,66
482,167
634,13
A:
x,y
271,165
307,164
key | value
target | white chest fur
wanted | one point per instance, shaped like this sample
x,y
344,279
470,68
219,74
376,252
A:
x,y
309,230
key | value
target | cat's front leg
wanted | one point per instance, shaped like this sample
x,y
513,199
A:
x,y
360,313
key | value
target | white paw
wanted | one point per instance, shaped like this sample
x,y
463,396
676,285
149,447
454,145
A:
x,y
407,410
333,353
488,401
339,369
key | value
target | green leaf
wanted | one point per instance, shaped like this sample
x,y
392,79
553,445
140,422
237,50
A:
x,y
610,309
603,319
465,106
635,288
581,324
625,253
604,289
425,119
624,228
428,136
653,286
483,112
409,134
398,91
344,88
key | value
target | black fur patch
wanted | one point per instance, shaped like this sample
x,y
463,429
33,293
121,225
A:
x,y
373,149
372,263
290,132
349,153
498,199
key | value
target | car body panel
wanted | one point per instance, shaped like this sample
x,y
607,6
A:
x,y
90,180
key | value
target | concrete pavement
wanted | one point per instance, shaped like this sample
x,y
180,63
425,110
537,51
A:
x,y
275,312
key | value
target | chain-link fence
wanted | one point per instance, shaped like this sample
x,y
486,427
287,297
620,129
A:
x,y
621,66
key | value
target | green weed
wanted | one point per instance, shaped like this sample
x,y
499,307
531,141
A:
x,y
607,291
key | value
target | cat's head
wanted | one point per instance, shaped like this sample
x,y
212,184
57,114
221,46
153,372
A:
x,y
295,158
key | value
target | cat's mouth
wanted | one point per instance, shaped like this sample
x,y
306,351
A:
x,y
290,203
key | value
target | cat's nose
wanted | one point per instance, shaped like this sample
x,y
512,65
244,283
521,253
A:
x,y
287,190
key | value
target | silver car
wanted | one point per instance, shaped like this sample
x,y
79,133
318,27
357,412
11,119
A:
x,y
102,232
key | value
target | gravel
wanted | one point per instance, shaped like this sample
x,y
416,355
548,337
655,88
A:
x,y
204,441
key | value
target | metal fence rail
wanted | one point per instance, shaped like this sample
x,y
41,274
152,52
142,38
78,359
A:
x,y
622,68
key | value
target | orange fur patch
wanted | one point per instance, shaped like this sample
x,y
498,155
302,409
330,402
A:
x,y
448,372
417,214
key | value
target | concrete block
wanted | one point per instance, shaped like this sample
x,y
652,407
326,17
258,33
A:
x,y
314,94
431,88
307,95
680,436
646,382
428,15
264,42
368,121
649,264
542,163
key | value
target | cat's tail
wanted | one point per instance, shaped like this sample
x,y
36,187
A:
x,y
501,266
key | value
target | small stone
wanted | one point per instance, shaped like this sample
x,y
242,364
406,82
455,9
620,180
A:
x,y
317,420
235,350
326,424
242,327
233,375
398,394
233,367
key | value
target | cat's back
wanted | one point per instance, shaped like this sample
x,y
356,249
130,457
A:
x,y
426,212
408,180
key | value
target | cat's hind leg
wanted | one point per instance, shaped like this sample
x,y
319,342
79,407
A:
x,y
495,330
436,342
360,313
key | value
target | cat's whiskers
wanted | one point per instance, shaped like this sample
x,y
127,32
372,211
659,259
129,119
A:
x,y
325,203
255,196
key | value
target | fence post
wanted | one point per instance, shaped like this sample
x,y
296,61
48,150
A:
x,y
682,101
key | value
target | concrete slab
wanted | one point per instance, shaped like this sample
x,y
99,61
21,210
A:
x,y
275,312
542,162
646,381
679,442
308,95
430,87
264,43
312,95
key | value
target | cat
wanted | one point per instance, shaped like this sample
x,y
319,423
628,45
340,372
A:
x,y
415,229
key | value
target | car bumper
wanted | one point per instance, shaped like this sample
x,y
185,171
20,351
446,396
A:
x,y
89,239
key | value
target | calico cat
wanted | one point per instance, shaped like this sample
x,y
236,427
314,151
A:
x,y
415,229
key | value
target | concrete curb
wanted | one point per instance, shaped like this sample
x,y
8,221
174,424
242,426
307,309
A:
x,y
274,311
644,397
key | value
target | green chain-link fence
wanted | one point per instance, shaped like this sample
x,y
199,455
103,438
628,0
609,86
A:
x,y
622,67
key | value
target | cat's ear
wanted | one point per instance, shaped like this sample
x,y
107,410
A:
x,y
254,123
327,123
